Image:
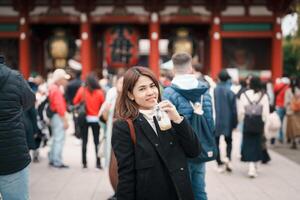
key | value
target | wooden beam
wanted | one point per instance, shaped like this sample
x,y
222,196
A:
x,y
246,34
192,19
48,19
5,19
9,34
114,19
247,19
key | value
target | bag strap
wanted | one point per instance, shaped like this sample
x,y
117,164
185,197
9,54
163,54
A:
x,y
262,94
278,91
132,131
251,102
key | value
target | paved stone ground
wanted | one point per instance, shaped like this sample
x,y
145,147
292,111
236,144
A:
x,y
285,150
277,180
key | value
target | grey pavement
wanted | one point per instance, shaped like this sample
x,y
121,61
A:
x,y
278,180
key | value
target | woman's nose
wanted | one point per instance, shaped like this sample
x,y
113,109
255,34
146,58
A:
x,y
150,91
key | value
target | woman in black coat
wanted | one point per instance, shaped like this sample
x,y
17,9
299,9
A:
x,y
155,166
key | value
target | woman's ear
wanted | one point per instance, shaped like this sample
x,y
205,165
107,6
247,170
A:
x,y
130,96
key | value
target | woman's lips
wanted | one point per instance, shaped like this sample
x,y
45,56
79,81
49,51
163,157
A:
x,y
151,99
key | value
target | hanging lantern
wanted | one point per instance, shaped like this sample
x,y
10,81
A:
x,y
121,46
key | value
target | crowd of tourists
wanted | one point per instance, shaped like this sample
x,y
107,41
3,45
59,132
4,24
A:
x,y
160,132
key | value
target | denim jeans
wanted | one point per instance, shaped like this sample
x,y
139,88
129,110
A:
x,y
15,186
197,175
281,114
58,139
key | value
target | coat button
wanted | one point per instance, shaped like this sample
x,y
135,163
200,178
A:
x,y
181,169
156,144
171,143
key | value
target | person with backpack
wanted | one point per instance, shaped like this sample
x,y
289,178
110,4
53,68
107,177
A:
x,y
253,109
226,118
292,105
91,97
185,92
151,142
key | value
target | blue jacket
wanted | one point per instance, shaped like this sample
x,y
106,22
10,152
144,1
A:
x,y
226,112
181,99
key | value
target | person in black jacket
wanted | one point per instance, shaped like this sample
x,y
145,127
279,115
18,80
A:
x,y
71,90
15,97
155,166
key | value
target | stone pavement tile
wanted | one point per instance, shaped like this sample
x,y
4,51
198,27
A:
x,y
75,183
278,180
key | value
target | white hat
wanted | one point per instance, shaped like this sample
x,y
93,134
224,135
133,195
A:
x,y
75,65
59,74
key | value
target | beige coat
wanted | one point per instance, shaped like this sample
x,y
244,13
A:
x,y
293,119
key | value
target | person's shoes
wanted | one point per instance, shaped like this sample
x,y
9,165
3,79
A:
x,y
112,197
294,145
35,160
84,165
228,166
62,166
252,173
98,166
98,163
51,164
221,168
272,141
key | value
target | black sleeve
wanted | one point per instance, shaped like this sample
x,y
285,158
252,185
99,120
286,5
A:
x,y
187,138
123,148
27,96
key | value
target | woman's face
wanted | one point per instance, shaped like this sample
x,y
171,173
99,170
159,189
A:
x,y
144,93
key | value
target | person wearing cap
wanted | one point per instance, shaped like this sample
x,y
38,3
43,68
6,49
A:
x,y
58,122
15,97
226,117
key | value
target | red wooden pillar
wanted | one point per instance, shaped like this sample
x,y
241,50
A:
x,y
154,32
24,46
215,47
277,55
85,51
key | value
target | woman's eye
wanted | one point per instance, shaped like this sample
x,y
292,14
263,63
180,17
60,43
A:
x,y
152,86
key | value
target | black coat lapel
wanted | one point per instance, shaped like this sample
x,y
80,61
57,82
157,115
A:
x,y
147,130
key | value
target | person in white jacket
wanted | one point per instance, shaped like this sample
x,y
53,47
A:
x,y
252,143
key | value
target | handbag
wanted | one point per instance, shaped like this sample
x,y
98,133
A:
x,y
81,111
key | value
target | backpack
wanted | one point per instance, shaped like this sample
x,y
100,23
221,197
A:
x,y
253,122
44,111
295,103
205,135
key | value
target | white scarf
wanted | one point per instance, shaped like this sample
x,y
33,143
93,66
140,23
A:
x,y
149,114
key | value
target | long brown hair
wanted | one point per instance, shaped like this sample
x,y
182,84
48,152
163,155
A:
x,y
127,108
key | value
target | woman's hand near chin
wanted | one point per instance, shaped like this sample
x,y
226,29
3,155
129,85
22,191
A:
x,y
170,109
